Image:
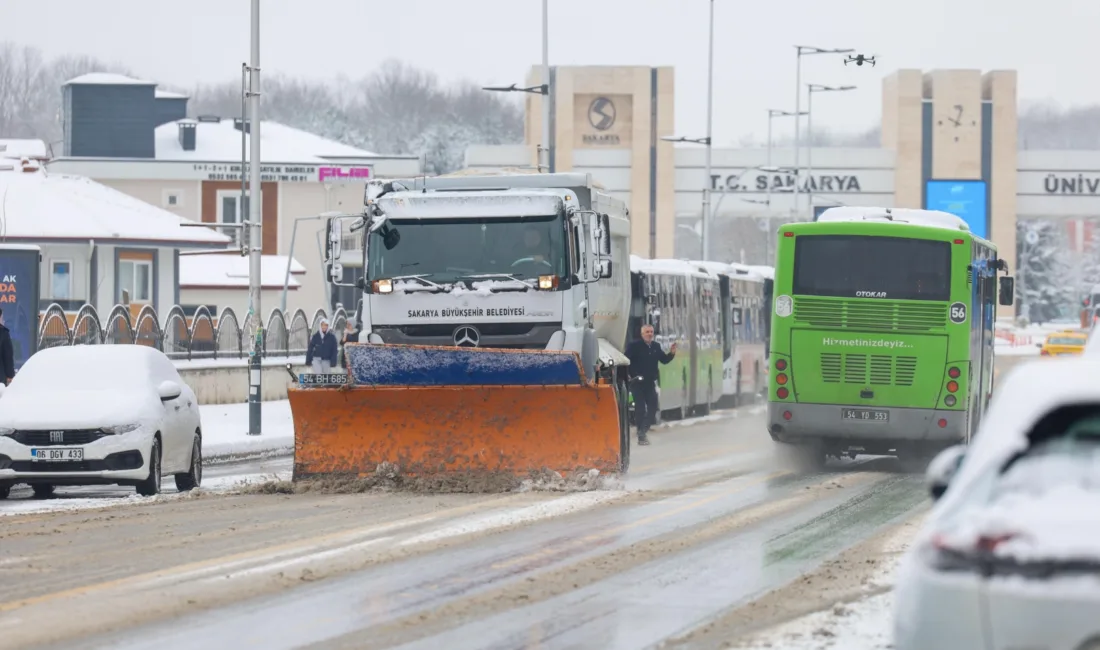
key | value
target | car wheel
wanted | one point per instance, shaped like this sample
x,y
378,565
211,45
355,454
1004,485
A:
x,y
5,491
42,490
193,478
151,485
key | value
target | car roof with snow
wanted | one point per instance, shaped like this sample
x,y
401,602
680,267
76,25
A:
x,y
1024,395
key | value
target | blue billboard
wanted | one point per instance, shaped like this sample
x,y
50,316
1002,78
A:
x,y
964,199
19,277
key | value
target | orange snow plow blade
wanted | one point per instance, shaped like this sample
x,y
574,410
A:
x,y
436,411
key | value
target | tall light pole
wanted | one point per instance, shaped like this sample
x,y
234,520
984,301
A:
x,y
710,113
541,89
255,240
774,113
546,82
803,50
706,190
811,89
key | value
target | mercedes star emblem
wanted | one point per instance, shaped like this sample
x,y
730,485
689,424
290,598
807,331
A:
x,y
467,337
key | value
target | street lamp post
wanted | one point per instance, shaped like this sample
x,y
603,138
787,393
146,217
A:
x,y
541,89
773,113
703,244
811,89
710,112
803,50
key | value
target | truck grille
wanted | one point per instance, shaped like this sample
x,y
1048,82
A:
x,y
867,369
67,437
874,315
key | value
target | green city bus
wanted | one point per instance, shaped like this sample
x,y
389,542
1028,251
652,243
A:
x,y
882,339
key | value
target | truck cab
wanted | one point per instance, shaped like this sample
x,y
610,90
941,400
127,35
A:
x,y
533,262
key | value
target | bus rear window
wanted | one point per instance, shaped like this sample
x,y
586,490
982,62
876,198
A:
x,y
861,266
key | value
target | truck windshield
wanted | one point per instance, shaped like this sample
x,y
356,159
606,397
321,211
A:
x,y
858,266
446,250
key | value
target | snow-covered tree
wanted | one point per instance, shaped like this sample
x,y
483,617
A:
x,y
1046,278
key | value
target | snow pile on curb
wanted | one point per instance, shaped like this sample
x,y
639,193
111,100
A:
x,y
225,432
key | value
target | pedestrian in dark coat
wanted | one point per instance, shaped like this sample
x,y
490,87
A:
x,y
644,355
7,354
323,347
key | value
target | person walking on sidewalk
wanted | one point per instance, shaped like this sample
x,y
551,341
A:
x,y
644,355
322,351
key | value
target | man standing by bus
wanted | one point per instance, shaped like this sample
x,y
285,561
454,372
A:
x,y
644,355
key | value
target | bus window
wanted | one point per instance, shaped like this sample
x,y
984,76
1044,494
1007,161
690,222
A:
x,y
851,265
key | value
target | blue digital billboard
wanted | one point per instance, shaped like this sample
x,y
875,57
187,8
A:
x,y
19,277
964,199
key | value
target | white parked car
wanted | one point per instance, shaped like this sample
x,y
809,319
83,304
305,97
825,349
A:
x,y
1009,556
99,414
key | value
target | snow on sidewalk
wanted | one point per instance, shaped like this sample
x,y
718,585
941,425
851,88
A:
x,y
225,431
866,624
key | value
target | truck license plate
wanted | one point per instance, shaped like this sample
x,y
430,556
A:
x,y
866,415
332,379
69,453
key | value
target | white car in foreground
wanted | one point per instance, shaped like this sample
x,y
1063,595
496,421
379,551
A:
x,y
1009,557
99,414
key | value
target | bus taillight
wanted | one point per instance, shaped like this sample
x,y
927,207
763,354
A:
x,y
787,415
782,393
781,379
952,386
953,373
949,400
781,364
943,423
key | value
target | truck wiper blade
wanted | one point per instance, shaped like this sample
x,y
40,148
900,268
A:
x,y
421,279
527,285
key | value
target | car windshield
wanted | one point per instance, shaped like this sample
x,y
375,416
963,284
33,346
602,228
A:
x,y
867,266
446,250
83,368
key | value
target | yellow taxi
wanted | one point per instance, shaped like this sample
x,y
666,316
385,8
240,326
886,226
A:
x,y
1064,342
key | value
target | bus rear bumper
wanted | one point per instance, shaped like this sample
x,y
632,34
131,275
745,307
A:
x,y
824,424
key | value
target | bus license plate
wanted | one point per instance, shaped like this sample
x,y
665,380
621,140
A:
x,y
74,453
866,415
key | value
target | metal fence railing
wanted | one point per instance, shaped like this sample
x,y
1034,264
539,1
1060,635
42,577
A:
x,y
182,337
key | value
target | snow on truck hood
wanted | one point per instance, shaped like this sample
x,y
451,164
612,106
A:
x,y
22,408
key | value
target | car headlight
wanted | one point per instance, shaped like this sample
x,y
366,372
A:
x,y
122,428
4,431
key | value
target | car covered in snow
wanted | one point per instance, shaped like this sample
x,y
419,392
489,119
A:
x,y
97,415
1009,556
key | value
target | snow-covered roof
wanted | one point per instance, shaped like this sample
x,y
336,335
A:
x,y
525,202
767,272
37,206
168,94
221,141
1026,393
107,79
20,148
733,269
933,218
230,271
669,266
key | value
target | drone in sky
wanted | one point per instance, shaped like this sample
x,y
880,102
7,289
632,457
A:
x,y
860,59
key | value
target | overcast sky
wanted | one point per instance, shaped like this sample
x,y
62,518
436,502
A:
x,y
1053,44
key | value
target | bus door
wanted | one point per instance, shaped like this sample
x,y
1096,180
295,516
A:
x,y
690,288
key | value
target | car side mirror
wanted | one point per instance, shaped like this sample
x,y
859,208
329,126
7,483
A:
x,y
169,390
1008,290
942,469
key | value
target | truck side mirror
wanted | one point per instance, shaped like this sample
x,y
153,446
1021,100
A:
x,y
605,268
605,236
1007,290
334,237
336,272
390,237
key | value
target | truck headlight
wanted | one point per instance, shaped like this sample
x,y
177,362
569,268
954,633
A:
x,y
383,286
548,281
122,428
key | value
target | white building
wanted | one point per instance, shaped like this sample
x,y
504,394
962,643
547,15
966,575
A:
x,y
126,134
99,246
220,281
